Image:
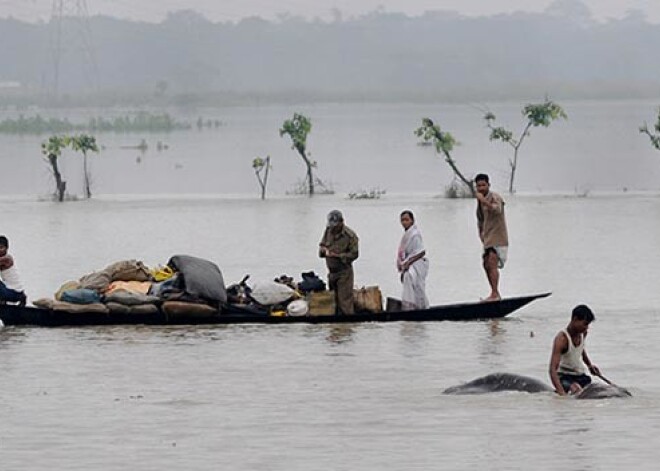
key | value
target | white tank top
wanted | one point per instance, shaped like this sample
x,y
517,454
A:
x,y
11,279
571,361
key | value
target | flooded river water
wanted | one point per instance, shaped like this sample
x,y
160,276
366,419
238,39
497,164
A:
x,y
301,397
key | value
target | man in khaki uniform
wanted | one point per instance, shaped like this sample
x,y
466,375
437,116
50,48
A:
x,y
492,232
339,247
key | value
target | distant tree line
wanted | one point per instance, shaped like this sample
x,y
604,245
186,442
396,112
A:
x,y
141,122
379,56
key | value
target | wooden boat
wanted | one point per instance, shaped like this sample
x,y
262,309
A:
x,y
235,314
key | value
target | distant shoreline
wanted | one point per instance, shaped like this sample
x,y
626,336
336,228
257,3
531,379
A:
x,y
223,99
155,197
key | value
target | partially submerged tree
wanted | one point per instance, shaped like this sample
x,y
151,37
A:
x,y
372,194
653,136
52,149
262,166
301,187
541,114
85,143
444,143
298,129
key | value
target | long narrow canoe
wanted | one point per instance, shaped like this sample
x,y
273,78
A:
x,y
34,316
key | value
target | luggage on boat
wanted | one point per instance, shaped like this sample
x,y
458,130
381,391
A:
x,y
271,293
144,309
286,280
183,310
162,273
98,281
117,308
137,287
239,293
130,298
69,285
80,296
299,307
162,289
128,270
368,298
199,278
393,305
311,282
93,308
321,303
125,270
126,309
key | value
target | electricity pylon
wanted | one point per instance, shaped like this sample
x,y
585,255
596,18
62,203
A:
x,y
70,33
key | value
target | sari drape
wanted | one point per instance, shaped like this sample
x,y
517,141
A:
x,y
414,278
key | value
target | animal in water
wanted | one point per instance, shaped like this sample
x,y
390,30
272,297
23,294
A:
x,y
602,391
497,382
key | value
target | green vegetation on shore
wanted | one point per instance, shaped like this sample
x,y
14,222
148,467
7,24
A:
x,y
141,122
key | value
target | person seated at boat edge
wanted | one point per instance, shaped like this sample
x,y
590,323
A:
x,y
413,265
492,232
11,288
566,369
339,247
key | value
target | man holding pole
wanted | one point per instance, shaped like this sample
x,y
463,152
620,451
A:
x,y
569,355
492,232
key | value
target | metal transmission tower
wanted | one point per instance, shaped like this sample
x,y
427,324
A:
x,y
71,42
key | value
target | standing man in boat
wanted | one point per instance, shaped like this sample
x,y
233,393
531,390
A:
x,y
569,356
11,288
339,247
492,232
412,264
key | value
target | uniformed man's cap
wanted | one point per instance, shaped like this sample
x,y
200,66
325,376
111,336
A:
x,y
334,218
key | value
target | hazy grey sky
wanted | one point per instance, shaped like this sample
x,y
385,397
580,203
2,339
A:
x,y
225,10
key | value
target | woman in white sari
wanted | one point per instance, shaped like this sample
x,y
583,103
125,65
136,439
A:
x,y
413,265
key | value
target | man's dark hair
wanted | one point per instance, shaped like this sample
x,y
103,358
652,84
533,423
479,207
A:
x,y
4,242
583,313
480,177
409,213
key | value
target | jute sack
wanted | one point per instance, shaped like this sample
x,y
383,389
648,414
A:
x,y
94,308
179,309
128,270
144,309
65,287
368,298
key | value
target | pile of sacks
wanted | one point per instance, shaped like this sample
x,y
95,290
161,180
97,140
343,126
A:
x,y
185,285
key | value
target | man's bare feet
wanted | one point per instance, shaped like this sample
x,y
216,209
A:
x,y
492,297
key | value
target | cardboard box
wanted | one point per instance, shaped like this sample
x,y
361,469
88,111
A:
x,y
321,303
368,299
